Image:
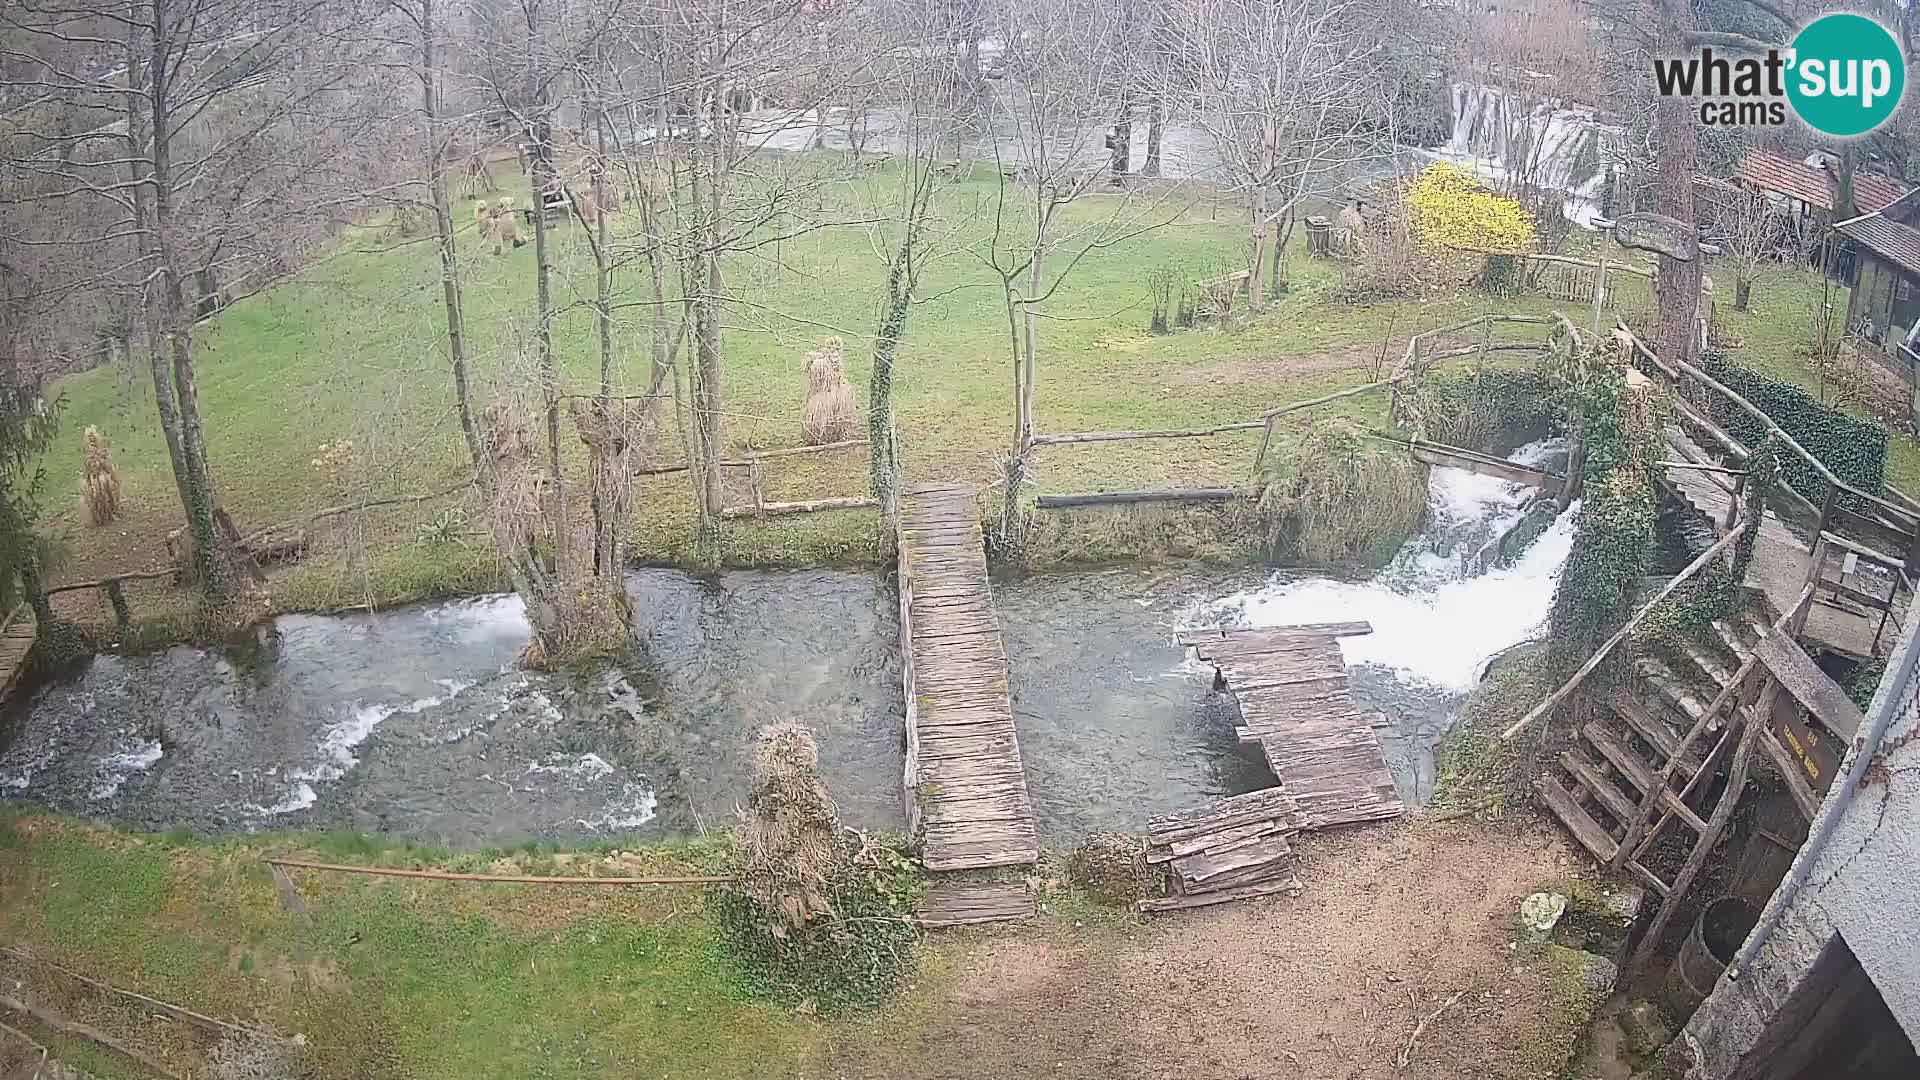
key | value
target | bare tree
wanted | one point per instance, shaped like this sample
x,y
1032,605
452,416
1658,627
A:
x,y
208,157
1755,228
1281,87
1053,103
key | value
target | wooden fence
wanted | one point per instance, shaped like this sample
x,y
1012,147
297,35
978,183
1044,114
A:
x,y
1422,352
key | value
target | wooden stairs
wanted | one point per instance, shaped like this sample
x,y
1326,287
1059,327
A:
x,y
1650,758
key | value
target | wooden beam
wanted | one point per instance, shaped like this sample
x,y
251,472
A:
x,y
1072,437
1119,498
1702,847
1454,457
1586,669
773,509
144,575
1810,686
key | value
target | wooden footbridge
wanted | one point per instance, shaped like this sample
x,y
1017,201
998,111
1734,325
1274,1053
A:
x,y
966,786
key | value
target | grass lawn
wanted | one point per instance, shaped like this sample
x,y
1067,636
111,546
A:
x,y
415,979
354,349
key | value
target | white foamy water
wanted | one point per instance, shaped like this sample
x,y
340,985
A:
x,y
1433,620
115,769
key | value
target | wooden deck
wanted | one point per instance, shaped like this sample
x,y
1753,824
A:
x,y
1780,559
16,642
1291,685
966,786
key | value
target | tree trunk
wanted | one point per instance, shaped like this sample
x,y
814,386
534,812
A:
x,y
139,161
1677,285
444,234
1122,148
209,552
1156,121
541,131
882,454
1742,292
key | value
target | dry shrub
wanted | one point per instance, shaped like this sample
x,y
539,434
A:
x,y
101,483
1339,498
506,226
789,831
829,413
812,922
1112,868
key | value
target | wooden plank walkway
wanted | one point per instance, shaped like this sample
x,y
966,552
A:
x,y
966,786
1780,560
1291,684
16,642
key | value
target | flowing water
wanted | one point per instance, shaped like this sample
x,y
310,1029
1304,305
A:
x,y
1558,145
414,722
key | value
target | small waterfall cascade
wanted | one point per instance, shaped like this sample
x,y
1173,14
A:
x,y
1560,145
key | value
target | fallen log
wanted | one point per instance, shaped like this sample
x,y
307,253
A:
x,y
1121,498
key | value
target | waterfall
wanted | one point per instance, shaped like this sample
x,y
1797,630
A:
x,y
1559,144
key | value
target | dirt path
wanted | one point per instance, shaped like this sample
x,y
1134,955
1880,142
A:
x,y
1327,986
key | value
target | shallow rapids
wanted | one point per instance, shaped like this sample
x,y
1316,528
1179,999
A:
x,y
413,721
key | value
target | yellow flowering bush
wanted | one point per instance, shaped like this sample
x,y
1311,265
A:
x,y
1452,209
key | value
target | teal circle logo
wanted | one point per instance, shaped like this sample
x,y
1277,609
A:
x,y
1846,75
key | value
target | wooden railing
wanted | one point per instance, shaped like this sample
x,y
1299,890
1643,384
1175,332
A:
x,y
113,585
1415,361
1892,518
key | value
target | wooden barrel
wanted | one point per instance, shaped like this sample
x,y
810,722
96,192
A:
x,y
1710,946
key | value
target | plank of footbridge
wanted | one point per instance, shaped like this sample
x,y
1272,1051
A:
x,y
1291,685
967,783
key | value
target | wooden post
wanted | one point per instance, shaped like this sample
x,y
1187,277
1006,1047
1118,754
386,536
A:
x,y
1733,508
1826,506
753,485
1816,566
1266,440
1599,296
122,615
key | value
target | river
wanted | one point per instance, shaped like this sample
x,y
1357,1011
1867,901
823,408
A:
x,y
413,722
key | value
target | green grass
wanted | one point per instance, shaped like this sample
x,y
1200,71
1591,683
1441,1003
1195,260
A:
x,y
355,349
398,979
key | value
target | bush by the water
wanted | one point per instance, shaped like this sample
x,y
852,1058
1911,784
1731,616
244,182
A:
x,y
1484,410
812,919
1339,497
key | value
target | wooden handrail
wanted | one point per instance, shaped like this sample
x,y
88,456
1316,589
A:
x,y
1748,407
1620,635
112,579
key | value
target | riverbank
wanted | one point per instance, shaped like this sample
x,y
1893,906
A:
x,y
350,353
437,979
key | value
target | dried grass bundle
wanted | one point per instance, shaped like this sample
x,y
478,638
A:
x,y
506,226
789,830
101,482
829,414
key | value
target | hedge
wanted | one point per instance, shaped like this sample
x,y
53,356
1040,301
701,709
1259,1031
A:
x,y
1855,449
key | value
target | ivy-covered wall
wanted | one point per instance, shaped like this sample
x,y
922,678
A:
x,y
1855,449
1614,532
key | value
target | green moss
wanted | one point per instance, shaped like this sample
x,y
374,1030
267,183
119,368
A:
x,y
1480,773
1572,1001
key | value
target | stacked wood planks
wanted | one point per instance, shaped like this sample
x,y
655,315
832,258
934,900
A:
x,y
1230,849
966,784
1291,685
